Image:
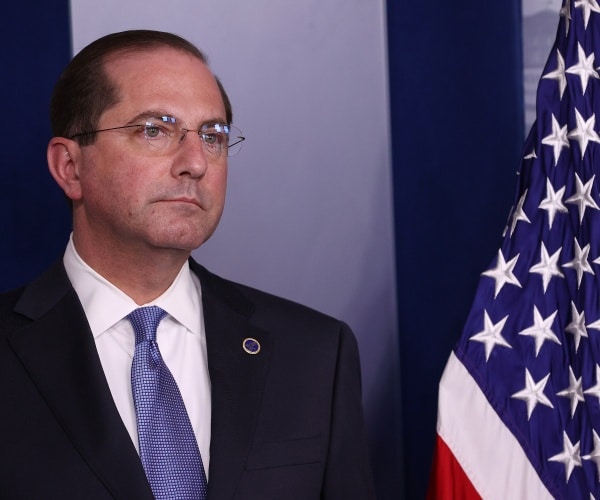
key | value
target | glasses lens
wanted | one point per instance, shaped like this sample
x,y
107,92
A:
x,y
159,131
236,138
221,140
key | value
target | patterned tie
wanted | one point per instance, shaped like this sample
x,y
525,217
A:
x,y
168,447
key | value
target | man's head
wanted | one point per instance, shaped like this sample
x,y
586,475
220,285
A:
x,y
84,90
134,194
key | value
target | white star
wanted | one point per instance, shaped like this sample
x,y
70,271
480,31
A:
x,y
557,139
519,213
533,393
584,67
530,155
566,13
541,330
588,6
547,267
503,272
583,196
552,203
577,325
569,457
595,325
574,391
595,454
595,389
491,335
584,132
580,262
559,73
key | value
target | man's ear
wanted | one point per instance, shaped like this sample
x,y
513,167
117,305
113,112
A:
x,y
64,156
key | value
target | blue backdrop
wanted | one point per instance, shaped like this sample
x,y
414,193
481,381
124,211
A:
x,y
34,214
457,133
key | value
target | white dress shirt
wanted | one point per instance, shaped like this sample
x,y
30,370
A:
x,y
180,336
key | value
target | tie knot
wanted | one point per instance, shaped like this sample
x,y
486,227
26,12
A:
x,y
145,320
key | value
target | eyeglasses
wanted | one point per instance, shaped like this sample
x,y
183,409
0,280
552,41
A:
x,y
164,134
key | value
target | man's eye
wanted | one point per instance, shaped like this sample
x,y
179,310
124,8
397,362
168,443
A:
x,y
210,138
152,131
213,138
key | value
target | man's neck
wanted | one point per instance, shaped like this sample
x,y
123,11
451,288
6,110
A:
x,y
143,276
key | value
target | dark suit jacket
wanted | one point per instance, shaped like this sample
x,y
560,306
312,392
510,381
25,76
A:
x,y
286,423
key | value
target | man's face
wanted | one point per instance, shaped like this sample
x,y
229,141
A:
x,y
132,200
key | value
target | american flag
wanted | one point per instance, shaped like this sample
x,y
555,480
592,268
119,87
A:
x,y
519,401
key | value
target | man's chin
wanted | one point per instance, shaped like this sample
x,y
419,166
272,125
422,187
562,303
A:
x,y
186,241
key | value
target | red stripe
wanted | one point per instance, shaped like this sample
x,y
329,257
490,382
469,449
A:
x,y
448,481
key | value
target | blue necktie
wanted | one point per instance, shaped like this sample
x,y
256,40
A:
x,y
168,447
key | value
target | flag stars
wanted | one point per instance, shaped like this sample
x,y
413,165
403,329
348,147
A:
x,y
595,390
491,335
574,391
553,203
596,324
514,323
557,139
580,262
588,6
577,325
558,74
594,456
547,267
584,68
583,196
533,393
519,213
584,132
503,272
569,457
541,330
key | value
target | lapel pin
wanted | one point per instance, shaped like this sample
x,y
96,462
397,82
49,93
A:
x,y
251,346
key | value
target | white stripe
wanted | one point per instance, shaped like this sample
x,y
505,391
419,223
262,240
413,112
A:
x,y
487,451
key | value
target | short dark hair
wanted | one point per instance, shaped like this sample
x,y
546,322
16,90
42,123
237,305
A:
x,y
84,90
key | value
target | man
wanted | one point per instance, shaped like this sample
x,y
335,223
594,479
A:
x,y
269,390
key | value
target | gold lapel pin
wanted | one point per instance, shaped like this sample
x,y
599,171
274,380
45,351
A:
x,y
251,346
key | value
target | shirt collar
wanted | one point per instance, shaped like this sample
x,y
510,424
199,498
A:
x,y
104,304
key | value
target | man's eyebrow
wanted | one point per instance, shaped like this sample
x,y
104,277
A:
x,y
151,113
213,121
159,113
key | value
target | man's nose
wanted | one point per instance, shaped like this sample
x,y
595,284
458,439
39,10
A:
x,y
191,156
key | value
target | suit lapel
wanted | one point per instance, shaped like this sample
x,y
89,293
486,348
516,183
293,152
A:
x,y
58,351
237,380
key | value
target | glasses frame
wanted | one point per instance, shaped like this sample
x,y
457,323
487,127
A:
x,y
170,119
